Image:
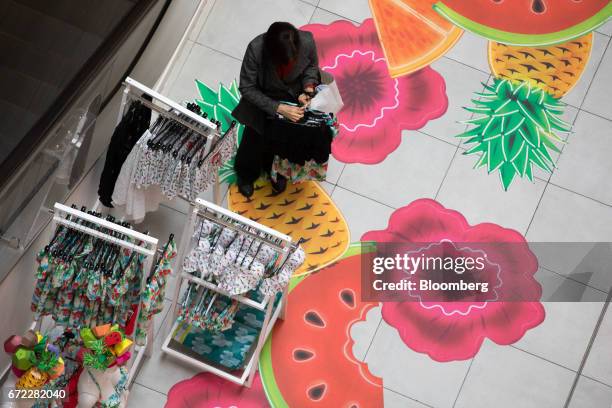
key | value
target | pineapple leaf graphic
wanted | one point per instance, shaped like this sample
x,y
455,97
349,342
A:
x,y
219,106
514,128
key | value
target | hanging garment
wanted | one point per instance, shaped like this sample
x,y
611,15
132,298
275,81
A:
x,y
133,124
278,280
297,173
170,160
152,297
85,281
135,202
237,262
301,150
230,347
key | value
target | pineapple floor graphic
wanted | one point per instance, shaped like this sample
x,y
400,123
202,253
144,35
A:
x,y
305,212
517,119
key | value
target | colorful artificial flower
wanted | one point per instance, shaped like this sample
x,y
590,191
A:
x,y
206,390
34,360
105,346
449,328
376,107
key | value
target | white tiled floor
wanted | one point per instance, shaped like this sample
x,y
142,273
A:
x,y
576,205
504,377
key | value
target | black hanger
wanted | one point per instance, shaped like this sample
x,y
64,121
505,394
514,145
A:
x,y
170,238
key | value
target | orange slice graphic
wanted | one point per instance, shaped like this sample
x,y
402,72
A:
x,y
412,34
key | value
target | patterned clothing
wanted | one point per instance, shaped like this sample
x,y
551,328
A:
x,y
152,298
236,262
77,286
307,159
297,173
185,167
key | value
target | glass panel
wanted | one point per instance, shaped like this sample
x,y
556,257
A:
x,y
43,45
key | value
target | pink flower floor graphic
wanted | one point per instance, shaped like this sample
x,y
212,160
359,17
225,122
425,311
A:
x,y
449,329
376,107
206,390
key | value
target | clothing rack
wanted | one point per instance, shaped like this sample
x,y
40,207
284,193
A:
x,y
281,242
172,110
142,244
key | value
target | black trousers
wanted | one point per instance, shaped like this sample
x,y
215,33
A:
x,y
252,158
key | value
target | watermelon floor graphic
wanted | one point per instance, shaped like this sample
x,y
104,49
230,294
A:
x,y
309,360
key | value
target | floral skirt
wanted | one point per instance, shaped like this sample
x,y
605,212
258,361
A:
x,y
296,173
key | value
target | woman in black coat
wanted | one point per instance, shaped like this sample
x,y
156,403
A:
x,y
280,65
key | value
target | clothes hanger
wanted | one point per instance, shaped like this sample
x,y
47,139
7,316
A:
x,y
255,256
163,254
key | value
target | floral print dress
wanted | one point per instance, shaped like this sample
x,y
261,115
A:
x,y
73,288
152,297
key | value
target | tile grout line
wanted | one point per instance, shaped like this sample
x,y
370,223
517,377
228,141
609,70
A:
x,y
580,194
467,65
588,349
212,9
314,10
149,388
467,373
572,279
408,397
603,56
548,180
219,51
455,154
341,173
542,358
591,113
365,356
172,208
196,36
366,197
586,94
535,210
339,15
432,136
450,164
598,381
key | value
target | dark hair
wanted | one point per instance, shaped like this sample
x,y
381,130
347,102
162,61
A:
x,y
281,43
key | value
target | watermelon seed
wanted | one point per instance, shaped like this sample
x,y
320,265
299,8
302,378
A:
x,y
302,355
316,393
348,297
313,318
538,6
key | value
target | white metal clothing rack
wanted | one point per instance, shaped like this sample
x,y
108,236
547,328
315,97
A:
x,y
281,242
140,243
168,108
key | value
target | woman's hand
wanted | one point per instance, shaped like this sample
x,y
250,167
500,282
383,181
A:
x,y
293,113
304,100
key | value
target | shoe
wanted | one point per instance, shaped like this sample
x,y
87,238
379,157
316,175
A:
x,y
246,189
279,185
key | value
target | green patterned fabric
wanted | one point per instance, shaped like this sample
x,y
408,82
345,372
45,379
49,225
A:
x,y
228,348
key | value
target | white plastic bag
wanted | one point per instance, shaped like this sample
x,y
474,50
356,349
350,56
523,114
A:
x,y
327,99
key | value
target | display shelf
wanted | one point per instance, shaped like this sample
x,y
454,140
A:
x,y
282,243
